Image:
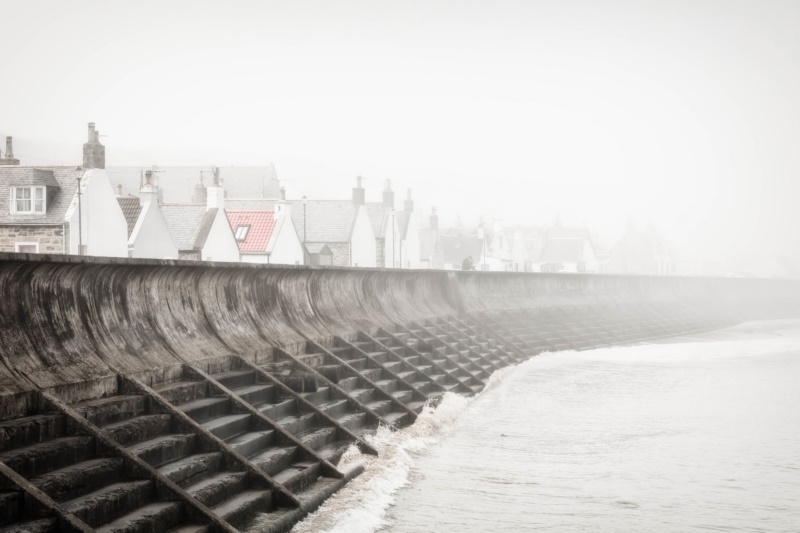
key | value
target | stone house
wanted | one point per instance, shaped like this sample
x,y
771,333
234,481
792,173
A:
x,y
202,232
61,209
431,253
343,225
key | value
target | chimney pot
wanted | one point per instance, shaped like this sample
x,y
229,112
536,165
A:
x,y
119,189
359,196
9,147
283,193
94,153
434,220
388,195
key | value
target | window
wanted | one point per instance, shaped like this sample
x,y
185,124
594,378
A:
x,y
27,247
28,199
241,232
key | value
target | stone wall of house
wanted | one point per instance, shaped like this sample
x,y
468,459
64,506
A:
x,y
341,253
380,244
49,238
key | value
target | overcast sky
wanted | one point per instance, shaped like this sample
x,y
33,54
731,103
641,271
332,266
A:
x,y
683,113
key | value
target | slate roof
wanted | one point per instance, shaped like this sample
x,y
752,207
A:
x,y
318,247
262,224
63,186
326,220
562,250
377,217
131,208
188,224
177,184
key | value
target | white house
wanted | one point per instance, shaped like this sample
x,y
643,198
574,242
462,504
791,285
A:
x,y
148,233
266,236
61,209
202,232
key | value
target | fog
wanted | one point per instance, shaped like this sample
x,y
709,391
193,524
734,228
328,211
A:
x,y
680,114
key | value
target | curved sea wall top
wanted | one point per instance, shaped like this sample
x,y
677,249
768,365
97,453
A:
x,y
65,319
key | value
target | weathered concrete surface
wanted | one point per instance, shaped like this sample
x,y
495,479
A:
x,y
66,319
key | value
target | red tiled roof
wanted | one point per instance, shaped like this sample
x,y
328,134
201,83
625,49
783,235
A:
x,y
262,224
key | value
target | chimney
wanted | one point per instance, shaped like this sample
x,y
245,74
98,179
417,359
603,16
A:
x,y
215,194
409,203
119,189
9,158
359,198
94,153
149,191
388,195
434,220
283,194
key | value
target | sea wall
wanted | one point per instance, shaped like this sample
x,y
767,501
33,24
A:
x,y
66,319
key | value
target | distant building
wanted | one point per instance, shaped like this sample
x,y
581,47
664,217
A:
x,y
384,224
61,209
645,252
343,225
430,244
567,249
202,232
267,236
148,233
458,244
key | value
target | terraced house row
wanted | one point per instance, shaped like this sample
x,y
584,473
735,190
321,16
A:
x,y
143,396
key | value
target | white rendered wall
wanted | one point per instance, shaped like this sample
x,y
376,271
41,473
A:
x,y
104,228
151,237
220,244
363,241
288,249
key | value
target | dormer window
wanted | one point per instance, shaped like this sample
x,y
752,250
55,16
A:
x,y
241,233
28,200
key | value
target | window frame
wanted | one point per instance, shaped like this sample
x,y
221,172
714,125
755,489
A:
x,y
33,191
18,245
245,228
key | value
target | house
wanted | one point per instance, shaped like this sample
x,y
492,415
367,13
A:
x,y
267,236
567,249
343,225
431,254
642,252
202,232
384,224
61,209
148,233
459,244
319,255
497,253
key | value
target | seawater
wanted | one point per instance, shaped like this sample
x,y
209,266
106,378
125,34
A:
x,y
696,434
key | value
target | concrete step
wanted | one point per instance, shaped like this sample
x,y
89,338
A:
x,y
110,502
297,423
298,474
204,409
80,478
274,459
348,384
30,430
322,394
381,407
165,449
155,517
353,421
335,407
218,487
229,426
279,410
397,418
113,409
139,429
240,510
372,374
249,444
403,396
180,392
192,468
257,394
40,525
318,437
236,379
387,385
43,457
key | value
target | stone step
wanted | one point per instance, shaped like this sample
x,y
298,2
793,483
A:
x,y
335,407
180,392
275,411
380,406
154,517
249,444
348,384
397,418
322,394
165,449
190,469
40,525
113,409
296,474
30,430
333,451
204,409
110,502
240,510
387,385
363,395
372,373
403,396
257,394
80,478
297,423
274,459
318,437
139,429
218,487
236,379
229,426
43,457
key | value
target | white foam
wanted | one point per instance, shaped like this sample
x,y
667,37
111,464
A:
x,y
360,507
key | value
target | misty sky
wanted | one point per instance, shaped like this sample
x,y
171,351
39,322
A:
x,y
683,113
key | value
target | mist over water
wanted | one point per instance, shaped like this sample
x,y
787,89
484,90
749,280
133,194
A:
x,y
692,435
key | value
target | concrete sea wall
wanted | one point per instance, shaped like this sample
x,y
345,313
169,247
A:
x,y
140,395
